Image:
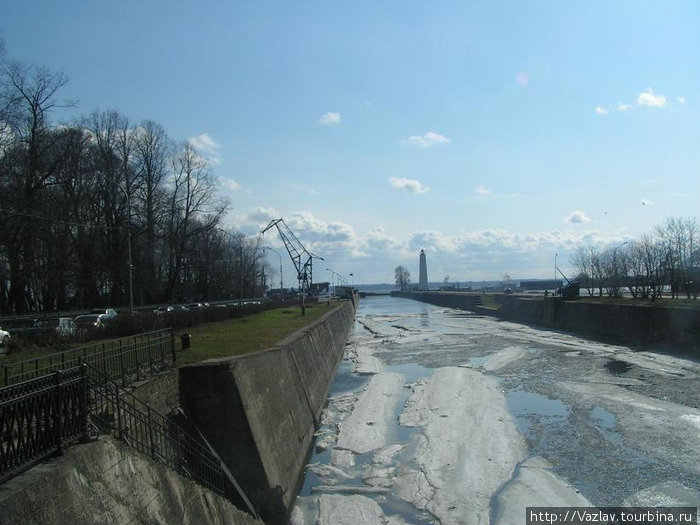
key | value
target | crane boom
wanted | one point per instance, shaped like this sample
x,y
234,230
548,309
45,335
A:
x,y
300,256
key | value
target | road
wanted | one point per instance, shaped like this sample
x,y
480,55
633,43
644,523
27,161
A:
x,y
440,416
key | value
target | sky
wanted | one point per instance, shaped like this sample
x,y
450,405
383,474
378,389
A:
x,y
495,135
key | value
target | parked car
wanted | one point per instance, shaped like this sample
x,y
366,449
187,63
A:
x,y
63,326
4,337
106,313
88,321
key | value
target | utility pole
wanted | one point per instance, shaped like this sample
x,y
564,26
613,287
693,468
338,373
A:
x,y
128,244
280,256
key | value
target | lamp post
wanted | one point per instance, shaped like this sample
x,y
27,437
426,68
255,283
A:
x,y
332,280
555,272
278,255
128,244
615,279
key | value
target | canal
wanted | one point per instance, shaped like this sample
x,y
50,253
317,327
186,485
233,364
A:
x,y
444,417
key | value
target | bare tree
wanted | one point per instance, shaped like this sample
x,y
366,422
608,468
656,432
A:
x,y
402,277
680,239
28,94
152,151
193,209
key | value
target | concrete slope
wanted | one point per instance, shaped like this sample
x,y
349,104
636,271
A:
x,y
108,483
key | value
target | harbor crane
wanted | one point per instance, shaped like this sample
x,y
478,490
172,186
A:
x,y
301,258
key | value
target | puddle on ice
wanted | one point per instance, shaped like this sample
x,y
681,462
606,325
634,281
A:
x,y
605,421
346,381
529,406
603,418
521,403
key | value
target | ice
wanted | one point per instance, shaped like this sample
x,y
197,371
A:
x,y
669,494
468,449
367,427
534,486
504,357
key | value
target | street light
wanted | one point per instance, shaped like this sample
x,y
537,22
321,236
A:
x,y
278,255
332,280
555,272
128,244
615,279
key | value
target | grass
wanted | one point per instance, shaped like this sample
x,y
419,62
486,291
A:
x,y
248,334
664,301
490,301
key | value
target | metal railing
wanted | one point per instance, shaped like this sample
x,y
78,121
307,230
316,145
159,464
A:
x,y
39,415
134,357
113,410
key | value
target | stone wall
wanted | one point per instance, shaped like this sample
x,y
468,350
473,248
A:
x,y
260,411
622,323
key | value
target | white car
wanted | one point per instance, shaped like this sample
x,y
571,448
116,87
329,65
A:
x,y
4,337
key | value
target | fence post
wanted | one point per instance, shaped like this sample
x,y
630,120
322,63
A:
x,y
84,386
7,376
121,363
119,410
57,409
150,432
172,345
150,355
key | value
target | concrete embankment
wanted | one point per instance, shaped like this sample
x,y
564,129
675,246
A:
x,y
624,323
108,483
260,411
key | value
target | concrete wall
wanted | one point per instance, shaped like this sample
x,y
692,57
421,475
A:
x,y
108,483
260,411
623,323
161,393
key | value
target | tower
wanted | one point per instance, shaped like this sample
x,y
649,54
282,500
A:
x,y
423,272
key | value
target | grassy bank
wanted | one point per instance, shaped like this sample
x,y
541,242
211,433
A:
x,y
248,334
629,301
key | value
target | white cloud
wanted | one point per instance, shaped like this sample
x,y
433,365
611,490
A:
x,y
647,98
482,190
647,202
229,184
623,107
577,217
330,119
372,255
412,186
601,110
260,217
427,140
522,78
207,146
681,100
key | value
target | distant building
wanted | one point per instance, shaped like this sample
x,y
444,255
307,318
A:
x,y
423,272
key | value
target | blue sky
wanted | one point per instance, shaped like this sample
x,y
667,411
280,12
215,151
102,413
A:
x,y
491,134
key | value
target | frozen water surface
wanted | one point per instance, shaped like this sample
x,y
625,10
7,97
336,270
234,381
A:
x,y
445,417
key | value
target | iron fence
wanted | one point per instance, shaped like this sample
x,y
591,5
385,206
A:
x,y
112,410
55,406
134,357
39,415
